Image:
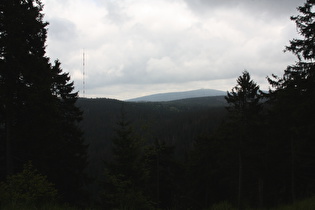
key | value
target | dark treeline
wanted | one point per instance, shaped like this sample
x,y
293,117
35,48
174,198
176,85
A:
x,y
249,149
174,124
38,117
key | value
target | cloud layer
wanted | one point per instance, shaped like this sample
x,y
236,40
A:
x,y
138,47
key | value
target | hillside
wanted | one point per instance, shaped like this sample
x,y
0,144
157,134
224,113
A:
x,y
178,95
178,123
100,117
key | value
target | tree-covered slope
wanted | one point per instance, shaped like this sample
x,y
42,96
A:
x,y
179,95
178,123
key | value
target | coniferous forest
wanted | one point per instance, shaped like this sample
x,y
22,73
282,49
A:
x,y
249,149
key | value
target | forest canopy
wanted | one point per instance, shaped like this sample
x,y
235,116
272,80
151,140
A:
x,y
247,149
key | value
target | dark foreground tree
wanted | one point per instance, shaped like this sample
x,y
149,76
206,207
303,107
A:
x,y
244,99
37,103
228,165
125,175
164,174
293,109
27,188
206,179
244,107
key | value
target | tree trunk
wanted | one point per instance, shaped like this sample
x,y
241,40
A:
x,y
158,179
9,162
292,170
240,180
260,192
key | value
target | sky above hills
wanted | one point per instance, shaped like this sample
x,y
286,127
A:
x,y
138,47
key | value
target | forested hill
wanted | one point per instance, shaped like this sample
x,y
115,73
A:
x,y
172,96
177,121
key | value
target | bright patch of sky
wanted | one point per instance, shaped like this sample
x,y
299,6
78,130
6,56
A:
x,y
138,47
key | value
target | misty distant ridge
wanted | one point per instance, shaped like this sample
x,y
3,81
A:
x,y
172,96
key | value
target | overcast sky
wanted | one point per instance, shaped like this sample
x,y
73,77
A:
x,y
139,47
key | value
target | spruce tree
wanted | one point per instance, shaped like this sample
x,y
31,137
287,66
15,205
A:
x,y
244,99
24,69
39,117
163,174
244,107
293,102
125,175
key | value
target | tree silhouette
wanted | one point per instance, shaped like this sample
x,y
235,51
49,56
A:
x,y
244,99
163,174
244,107
125,175
293,100
39,119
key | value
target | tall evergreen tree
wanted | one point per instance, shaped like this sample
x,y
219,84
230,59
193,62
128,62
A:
x,y
38,114
205,174
22,64
163,174
126,176
293,106
244,106
244,99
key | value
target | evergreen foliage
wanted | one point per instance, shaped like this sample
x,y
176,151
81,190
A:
x,y
244,99
205,183
292,114
125,175
245,121
260,156
27,188
39,119
163,174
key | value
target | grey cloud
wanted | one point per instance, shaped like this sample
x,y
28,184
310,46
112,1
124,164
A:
x,y
115,12
270,7
62,29
128,52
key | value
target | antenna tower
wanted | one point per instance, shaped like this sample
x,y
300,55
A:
x,y
83,80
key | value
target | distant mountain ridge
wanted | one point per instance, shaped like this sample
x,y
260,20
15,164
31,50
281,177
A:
x,y
172,96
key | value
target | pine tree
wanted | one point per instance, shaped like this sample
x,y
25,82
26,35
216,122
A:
x,y
24,69
293,102
244,99
39,120
72,160
125,175
163,174
205,174
244,107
